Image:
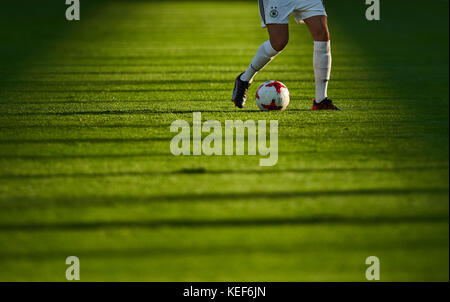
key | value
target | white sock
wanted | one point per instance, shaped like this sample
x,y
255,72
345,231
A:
x,y
263,56
322,68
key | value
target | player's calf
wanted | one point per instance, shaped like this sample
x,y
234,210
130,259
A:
x,y
265,54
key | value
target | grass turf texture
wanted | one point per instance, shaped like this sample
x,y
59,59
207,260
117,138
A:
x,y
86,168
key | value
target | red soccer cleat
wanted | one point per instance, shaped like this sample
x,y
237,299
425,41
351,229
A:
x,y
326,104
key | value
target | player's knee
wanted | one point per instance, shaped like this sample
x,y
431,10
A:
x,y
321,34
280,43
325,36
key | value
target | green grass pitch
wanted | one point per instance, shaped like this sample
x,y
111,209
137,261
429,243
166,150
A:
x,y
86,168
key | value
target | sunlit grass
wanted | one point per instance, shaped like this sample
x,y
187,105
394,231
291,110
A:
x,y
87,169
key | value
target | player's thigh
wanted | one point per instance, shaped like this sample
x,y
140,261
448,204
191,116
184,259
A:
x,y
275,11
318,26
279,35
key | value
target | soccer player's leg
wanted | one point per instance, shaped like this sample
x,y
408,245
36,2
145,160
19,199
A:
x,y
279,37
318,27
276,18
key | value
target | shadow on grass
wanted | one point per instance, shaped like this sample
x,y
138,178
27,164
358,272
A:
x,y
222,223
131,82
200,171
69,99
86,140
118,90
135,112
106,200
31,28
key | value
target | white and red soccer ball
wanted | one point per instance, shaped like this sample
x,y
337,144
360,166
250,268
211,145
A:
x,y
272,95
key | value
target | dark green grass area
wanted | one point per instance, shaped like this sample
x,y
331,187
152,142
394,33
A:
x,y
86,168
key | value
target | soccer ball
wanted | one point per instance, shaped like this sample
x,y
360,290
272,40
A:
x,y
272,95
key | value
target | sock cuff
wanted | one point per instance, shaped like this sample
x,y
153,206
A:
x,y
269,49
322,46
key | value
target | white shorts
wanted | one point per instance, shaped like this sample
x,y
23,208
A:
x,y
278,11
